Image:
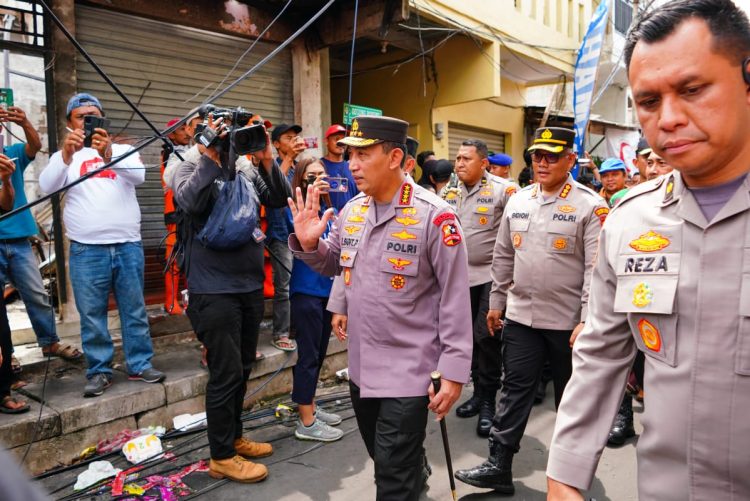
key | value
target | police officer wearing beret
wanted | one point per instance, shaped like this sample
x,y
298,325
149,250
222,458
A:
x,y
541,269
402,257
672,277
499,165
479,199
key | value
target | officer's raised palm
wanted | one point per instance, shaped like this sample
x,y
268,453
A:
x,y
308,225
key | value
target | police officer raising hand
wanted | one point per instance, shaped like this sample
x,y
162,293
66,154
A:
x,y
400,256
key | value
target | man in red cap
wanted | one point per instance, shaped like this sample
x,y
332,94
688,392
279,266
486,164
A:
x,y
336,166
180,138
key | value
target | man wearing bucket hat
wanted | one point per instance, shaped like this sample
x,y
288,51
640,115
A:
x,y
541,268
400,252
614,174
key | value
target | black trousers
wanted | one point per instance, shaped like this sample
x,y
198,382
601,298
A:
x,y
486,357
313,323
524,352
6,345
227,325
393,430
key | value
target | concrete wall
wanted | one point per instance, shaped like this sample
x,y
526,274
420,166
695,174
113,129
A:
x,y
469,90
400,92
540,23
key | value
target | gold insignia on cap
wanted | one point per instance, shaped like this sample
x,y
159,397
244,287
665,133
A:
x,y
355,125
650,242
642,295
547,134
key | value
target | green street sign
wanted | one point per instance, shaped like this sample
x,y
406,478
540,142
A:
x,y
351,111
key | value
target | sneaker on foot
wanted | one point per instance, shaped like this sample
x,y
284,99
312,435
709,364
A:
x,y
317,431
327,417
149,375
96,385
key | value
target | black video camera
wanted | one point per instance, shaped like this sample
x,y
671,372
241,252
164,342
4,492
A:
x,y
91,122
244,137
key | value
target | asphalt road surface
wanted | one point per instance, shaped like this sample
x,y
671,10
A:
x,y
341,470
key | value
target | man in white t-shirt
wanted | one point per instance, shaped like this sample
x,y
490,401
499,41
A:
x,y
103,222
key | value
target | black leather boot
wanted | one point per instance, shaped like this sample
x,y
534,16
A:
x,y
486,413
622,428
470,408
495,473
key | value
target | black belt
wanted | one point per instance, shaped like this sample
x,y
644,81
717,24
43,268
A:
x,y
13,240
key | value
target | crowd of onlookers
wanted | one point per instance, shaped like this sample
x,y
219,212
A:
x,y
102,221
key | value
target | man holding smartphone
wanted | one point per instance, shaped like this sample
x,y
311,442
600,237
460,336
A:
x,y
337,166
18,264
103,222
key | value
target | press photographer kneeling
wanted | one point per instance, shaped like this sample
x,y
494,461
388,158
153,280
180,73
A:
x,y
224,267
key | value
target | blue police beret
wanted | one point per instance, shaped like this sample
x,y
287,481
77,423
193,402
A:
x,y
500,159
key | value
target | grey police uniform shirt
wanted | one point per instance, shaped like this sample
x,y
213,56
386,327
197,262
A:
x,y
544,255
677,288
403,285
480,210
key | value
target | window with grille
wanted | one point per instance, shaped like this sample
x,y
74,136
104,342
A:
x,y
623,16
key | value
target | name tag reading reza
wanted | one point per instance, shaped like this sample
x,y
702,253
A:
x,y
647,264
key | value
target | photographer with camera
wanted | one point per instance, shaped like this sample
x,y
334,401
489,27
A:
x,y
103,222
225,280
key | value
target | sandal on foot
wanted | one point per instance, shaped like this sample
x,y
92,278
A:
x,y
17,384
283,343
64,351
10,405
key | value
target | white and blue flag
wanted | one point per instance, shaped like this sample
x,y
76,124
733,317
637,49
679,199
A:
x,y
585,75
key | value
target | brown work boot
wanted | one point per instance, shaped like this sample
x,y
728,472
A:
x,y
238,469
250,449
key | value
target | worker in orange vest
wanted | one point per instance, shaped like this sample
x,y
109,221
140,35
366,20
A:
x,y
181,139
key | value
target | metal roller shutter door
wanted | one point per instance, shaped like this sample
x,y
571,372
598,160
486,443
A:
x,y
457,133
169,69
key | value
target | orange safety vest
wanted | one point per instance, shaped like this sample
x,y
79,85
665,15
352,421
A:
x,y
168,195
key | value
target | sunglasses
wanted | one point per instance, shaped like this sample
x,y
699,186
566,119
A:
x,y
551,158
